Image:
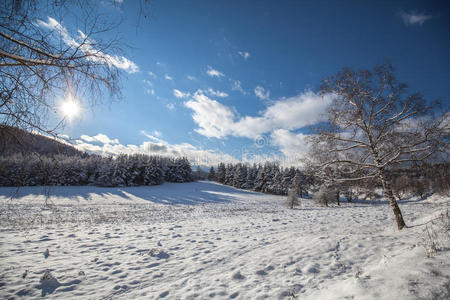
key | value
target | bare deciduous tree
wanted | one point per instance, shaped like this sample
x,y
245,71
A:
x,y
41,59
375,125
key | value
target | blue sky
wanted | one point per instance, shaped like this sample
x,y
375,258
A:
x,y
237,80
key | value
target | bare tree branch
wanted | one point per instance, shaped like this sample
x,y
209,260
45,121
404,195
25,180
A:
x,y
41,60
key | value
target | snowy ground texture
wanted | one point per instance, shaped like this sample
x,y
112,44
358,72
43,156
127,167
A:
x,y
204,240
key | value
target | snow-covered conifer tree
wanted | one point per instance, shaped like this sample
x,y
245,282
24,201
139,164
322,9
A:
x,y
229,174
221,172
251,176
260,180
211,174
240,176
276,182
105,173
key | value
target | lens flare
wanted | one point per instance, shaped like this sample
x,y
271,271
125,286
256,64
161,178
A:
x,y
70,108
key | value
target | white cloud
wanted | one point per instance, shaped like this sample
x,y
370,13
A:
x,y
261,93
102,138
168,77
62,136
251,127
170,106
179,94
215,93
152,136
190,77
213,118
155,146
293,146
217,120
148,87
415,18
244,54
87,147
236,86
87,138
299,111
121,62
157,133
153,75
88,47
214,73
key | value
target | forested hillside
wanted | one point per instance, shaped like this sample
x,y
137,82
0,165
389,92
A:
x,y
14,140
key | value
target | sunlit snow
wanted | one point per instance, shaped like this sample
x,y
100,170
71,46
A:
x,y
204,240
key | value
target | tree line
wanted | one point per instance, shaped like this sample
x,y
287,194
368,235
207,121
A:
x,y
268,178
122,170
405,182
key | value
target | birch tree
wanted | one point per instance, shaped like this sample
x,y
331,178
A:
x,y
375,125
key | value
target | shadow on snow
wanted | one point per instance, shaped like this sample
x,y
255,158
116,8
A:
x,y
192,193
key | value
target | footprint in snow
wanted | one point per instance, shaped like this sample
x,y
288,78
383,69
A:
x,y
312,269
160,254
163,294
48,284
238,276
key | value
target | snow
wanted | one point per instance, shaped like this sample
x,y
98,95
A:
x,y
205,240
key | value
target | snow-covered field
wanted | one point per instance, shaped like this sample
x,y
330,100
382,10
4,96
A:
x,y
204,240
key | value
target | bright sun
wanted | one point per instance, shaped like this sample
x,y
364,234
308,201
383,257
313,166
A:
x,y
70,108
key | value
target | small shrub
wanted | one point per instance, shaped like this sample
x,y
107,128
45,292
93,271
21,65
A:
x,y
292,198
325,195
437,234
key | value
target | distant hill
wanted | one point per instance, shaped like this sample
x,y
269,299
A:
x,y
14,140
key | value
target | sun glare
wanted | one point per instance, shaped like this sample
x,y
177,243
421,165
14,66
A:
x,y
70,108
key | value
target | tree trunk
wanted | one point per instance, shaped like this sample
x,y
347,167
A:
x,y
387,189
349,195
392,202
